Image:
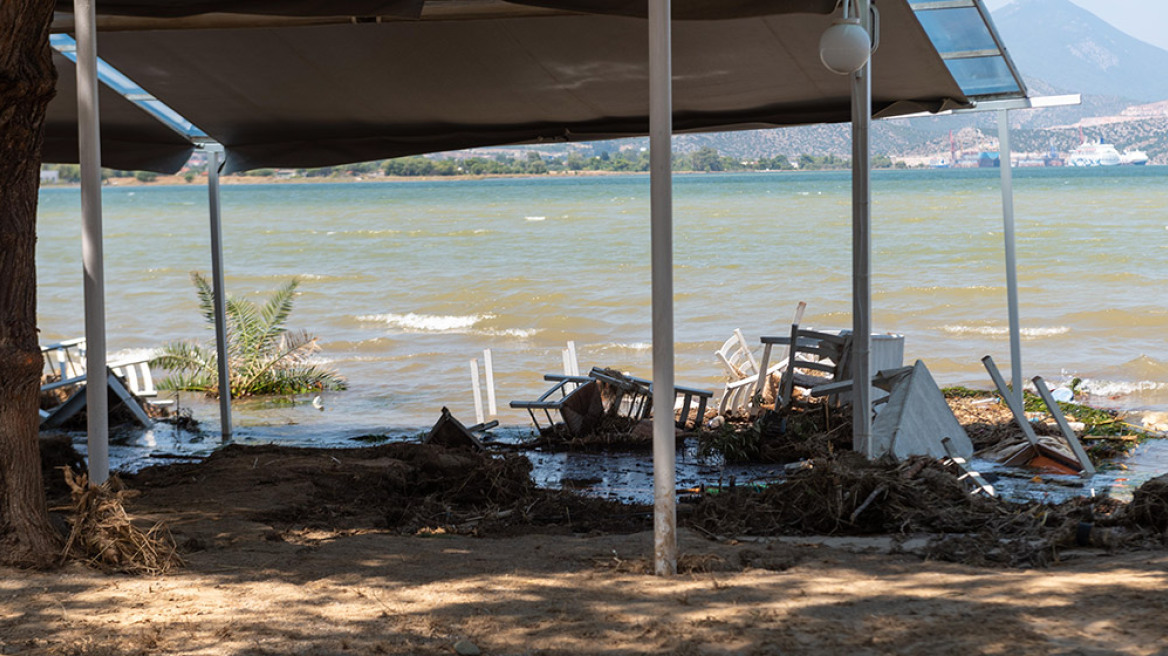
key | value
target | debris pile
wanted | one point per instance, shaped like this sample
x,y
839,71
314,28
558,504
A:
x,y
405,488
103,535
847,495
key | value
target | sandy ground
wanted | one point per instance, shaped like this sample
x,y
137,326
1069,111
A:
x,y
273,586
377,594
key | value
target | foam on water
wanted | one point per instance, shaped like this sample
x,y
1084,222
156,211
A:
x,y
1001,331
632,346
1116,388
428,322
131,355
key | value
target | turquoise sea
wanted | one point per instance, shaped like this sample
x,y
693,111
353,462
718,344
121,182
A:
x,y
406,282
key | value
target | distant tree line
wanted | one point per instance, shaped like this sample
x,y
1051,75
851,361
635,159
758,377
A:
x,y
705,159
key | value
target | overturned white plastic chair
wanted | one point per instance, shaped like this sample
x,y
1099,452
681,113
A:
x,y
744,385
78,399
736,358
137,375
738,397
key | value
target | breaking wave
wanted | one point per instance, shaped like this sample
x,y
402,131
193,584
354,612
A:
x,y
1112,388
439,323
428,323
1001,331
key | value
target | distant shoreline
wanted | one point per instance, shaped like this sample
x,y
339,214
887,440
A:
x,y
179,181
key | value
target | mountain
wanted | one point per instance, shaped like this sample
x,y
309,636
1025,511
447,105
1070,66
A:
x,y
1060,48
1071,49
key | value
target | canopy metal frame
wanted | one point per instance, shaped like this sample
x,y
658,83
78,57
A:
x,y
91,73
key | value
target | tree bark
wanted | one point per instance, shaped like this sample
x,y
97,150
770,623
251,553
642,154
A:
x,y
27,83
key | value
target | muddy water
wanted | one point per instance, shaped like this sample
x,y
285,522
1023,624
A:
x,y
406,282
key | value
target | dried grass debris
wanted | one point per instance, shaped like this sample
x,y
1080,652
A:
x,y
104,536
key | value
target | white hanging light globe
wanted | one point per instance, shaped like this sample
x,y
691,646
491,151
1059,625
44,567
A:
x,y
844,47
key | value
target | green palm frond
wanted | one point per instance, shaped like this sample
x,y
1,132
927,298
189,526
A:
x,y
263,356
183,356
275,312
206,294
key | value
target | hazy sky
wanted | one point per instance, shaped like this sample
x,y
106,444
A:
x,y
1146,20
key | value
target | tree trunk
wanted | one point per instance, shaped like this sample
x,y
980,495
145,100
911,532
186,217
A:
x,y
27,83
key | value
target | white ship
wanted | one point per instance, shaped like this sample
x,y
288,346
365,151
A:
x,y
1095,154
1135,157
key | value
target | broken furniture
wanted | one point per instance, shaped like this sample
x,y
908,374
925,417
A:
x,y
575,398
744,381
736,358
1034,452
744,394
684,399
77,400
971,478
916,420
449,432
583,401
810,350
912,416
65,360
829,353
1056,412
128,382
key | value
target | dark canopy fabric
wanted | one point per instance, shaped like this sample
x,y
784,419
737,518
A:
x,y
682,9
314,85
690,9
131,139
327,94
173,8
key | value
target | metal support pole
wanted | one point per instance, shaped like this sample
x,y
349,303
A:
x,y
1011,262
862,251
214,152
661,211
92,258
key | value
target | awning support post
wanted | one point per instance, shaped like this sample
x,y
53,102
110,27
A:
x,y
862,250
661,211
214,161
1005,165
92,258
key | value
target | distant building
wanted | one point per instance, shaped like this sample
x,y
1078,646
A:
x,y
50,176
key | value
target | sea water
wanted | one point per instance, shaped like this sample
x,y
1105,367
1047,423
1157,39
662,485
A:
x,y
405,282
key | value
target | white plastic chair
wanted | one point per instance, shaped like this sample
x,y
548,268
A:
x,y
735,356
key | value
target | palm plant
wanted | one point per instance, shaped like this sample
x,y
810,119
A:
x,y
264,356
